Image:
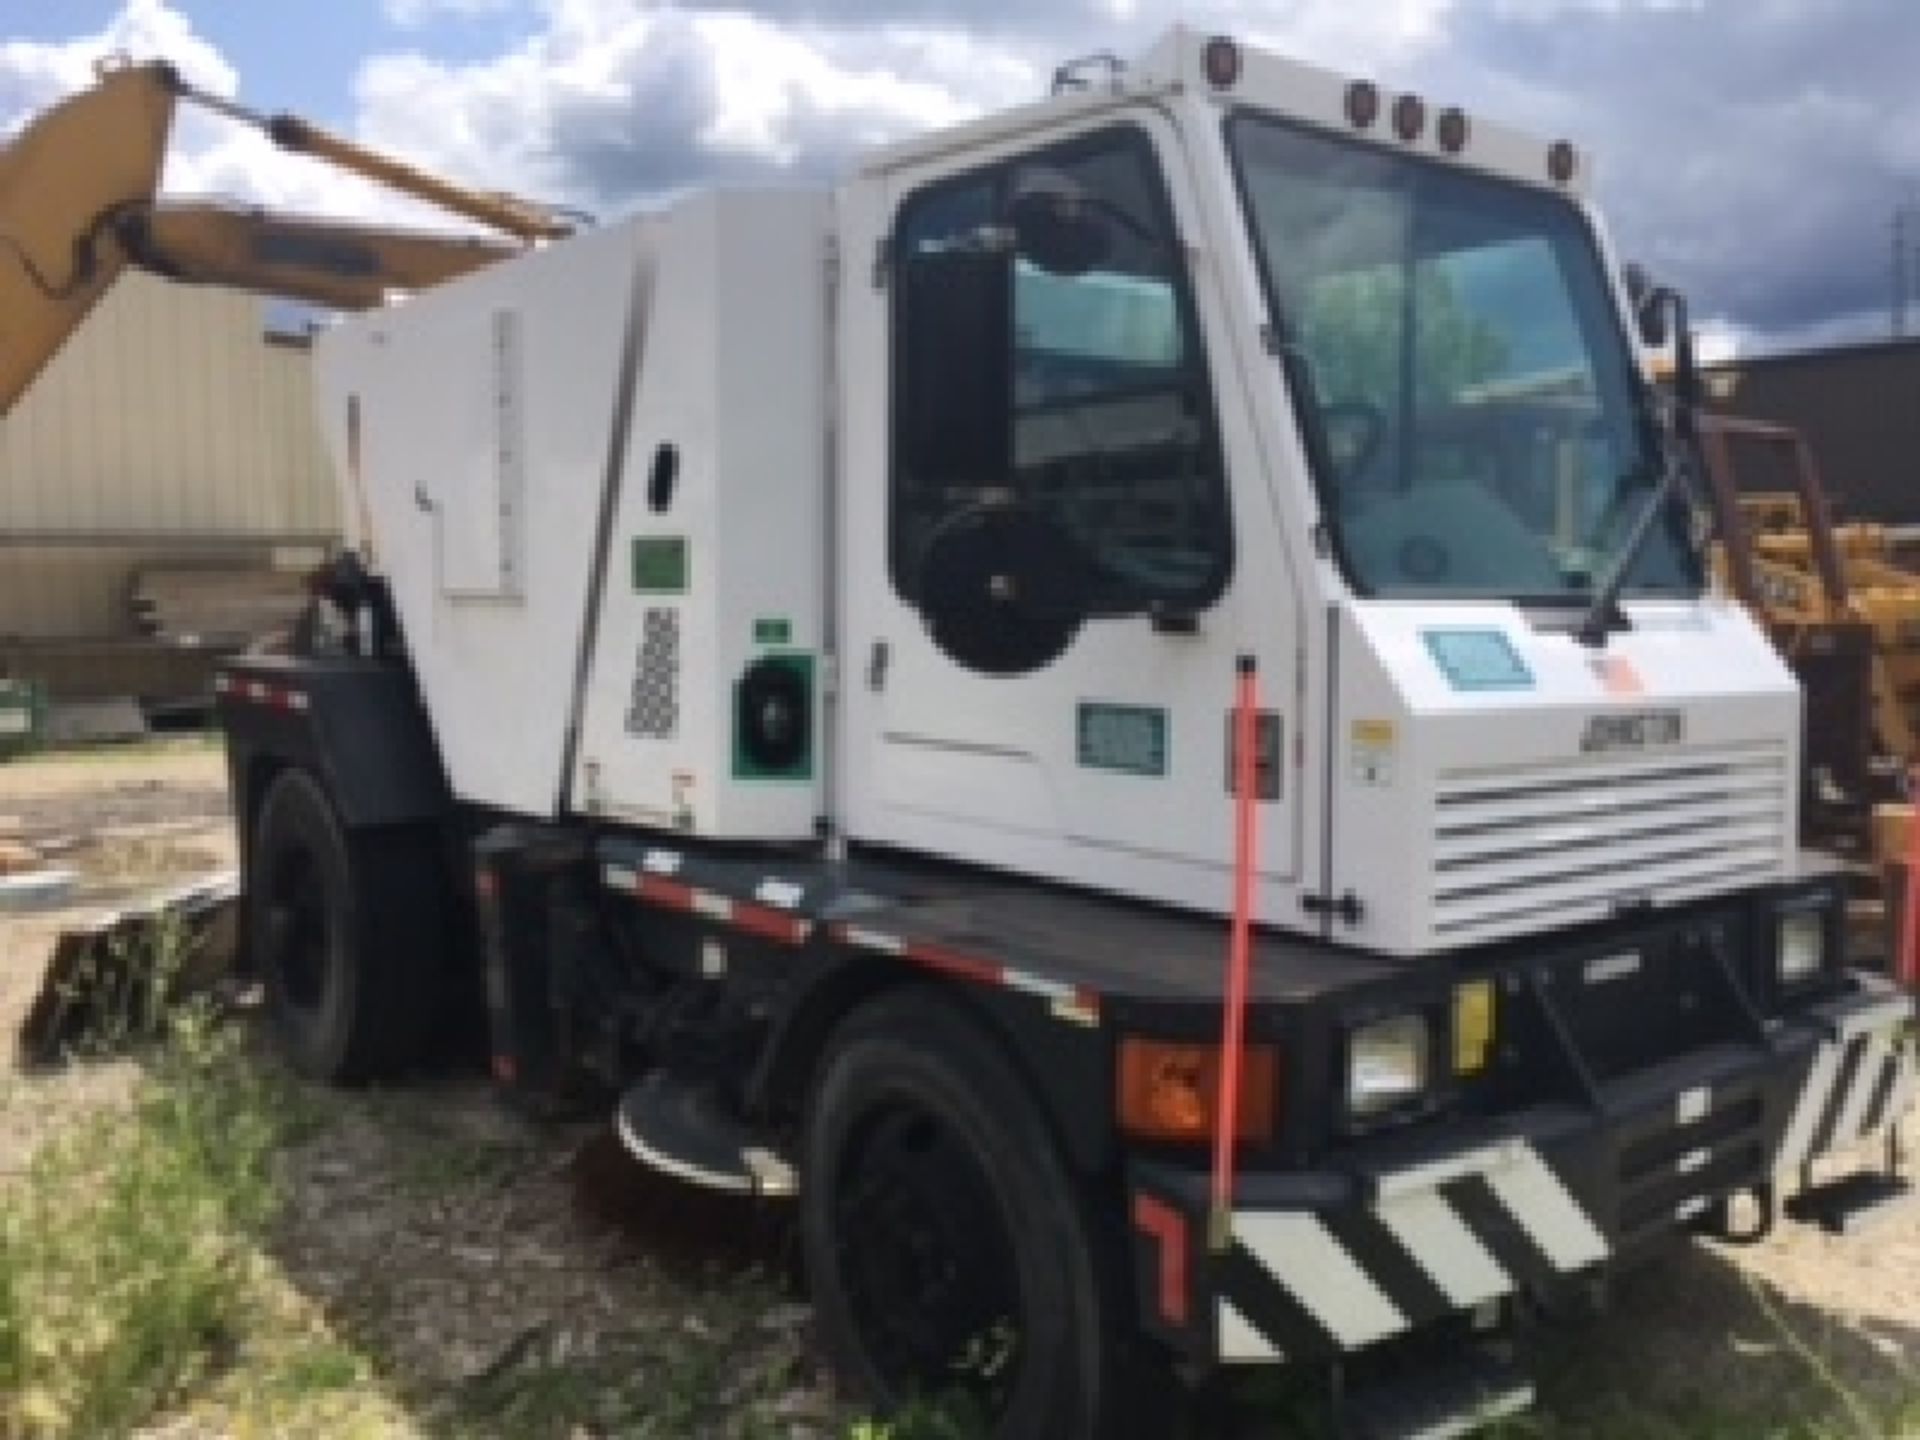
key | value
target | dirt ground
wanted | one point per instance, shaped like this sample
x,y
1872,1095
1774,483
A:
x,y
484,1274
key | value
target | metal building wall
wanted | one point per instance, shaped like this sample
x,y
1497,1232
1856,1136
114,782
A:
x,y
1859,407
169,429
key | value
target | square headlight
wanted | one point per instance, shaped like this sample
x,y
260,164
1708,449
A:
x,y
1388,1064
1802,946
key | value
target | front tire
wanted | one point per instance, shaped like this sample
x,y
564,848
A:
x,y
346,933
947,1249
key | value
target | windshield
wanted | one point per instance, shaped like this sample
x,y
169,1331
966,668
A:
x,y
1460,371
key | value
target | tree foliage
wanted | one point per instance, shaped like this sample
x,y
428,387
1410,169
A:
x,y
1353,330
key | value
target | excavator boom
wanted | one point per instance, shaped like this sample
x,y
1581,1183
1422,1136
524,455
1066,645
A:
x,y
64,180
334,264
77,206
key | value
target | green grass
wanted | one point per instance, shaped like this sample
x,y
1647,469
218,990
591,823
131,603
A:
x,y
136,1282
127,1247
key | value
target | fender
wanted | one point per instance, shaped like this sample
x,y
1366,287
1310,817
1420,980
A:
x,y
357,724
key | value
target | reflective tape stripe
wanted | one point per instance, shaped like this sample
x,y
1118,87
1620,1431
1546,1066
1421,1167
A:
x,y
1322,1277
1904,1088
712,906
871,940
1302,1284
1445,1248
278,697
1885,1013
1536,1198
1798,1139
1239,1341
770,924
1035,985
951,962
1866,1079
654,888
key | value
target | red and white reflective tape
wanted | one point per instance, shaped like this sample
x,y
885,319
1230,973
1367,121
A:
x,y
1068,1002
277,697
652,888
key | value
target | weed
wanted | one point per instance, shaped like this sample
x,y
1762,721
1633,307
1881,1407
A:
x,y
126,1246
955,1418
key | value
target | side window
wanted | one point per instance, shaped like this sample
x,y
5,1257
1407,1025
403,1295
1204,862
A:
x,y
1055,370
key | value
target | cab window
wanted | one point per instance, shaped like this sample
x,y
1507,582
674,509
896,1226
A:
x,y
1061,376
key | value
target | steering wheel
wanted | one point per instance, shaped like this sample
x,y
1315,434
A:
x,y
1369,428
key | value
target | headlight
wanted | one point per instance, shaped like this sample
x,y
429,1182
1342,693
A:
x,y
1387,1064
1803,945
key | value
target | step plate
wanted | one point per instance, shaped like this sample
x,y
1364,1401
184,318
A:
x,y
1852,1203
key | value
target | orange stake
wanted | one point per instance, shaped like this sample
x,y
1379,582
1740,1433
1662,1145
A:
x,y
1906,964
1239,951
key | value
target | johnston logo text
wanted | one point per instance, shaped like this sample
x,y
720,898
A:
x,y
1632,730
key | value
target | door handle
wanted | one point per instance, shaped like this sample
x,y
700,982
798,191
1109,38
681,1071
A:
x,y
1348,909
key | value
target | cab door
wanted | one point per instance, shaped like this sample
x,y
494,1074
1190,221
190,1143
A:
x,y
1054,553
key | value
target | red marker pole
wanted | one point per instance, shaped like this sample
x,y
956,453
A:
x,y
1906,964
1239,951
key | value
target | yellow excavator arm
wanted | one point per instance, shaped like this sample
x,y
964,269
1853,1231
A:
x,y
78,206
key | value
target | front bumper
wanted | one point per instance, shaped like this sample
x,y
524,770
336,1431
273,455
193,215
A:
x,y
1404,1233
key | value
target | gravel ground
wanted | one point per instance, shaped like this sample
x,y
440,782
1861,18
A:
x,y
494,1268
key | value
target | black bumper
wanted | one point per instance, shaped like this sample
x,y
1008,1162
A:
x,y
1404,1233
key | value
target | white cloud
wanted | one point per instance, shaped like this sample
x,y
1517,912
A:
x,y
610,104
209,156
410,14
1755,163
34,74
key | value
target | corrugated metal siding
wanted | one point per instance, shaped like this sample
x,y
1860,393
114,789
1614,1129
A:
x,y
1859,407
168,419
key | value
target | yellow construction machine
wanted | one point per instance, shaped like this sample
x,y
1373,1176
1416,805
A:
x,y
78,205
1846,617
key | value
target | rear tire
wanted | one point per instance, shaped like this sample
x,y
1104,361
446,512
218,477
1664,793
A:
x,y
949,1253
346,930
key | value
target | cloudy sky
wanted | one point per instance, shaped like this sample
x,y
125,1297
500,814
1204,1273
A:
x,y
1753,150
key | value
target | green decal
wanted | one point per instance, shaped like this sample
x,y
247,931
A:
x,y
1129,739
773,631
660,564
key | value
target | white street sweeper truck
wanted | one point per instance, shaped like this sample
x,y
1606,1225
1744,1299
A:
x,y
787,667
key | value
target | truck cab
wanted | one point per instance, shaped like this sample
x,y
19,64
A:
x,y
1337,381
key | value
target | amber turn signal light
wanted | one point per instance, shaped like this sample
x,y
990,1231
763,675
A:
x,y
1171,1091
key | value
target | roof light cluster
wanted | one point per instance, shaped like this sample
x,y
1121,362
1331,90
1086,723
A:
x,y
1452,132
1222,63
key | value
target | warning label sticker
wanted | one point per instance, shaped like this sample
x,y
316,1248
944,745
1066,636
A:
x,y
1370,753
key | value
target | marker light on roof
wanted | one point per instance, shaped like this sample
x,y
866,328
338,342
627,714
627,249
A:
x,y
1409,117
1453,130
1562,161
1363,104
1221,62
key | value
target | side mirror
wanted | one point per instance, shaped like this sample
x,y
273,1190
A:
x,y
1056,224
1649,308
954,370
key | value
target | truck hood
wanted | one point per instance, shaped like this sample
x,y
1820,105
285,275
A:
x,y
1494,779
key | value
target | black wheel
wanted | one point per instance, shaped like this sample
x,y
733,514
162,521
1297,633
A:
x,y
947,1250
345,931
